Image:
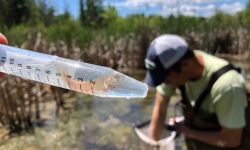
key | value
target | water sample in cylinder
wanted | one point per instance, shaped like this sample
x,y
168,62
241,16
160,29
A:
x,y
69,74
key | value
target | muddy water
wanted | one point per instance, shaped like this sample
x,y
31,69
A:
x,y
96,124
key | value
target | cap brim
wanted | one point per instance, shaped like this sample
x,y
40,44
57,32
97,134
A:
x,y
155,77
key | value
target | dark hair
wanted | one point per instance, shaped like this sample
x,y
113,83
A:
x,y
177,66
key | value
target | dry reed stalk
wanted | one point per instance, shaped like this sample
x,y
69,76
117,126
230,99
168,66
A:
x,y
22,102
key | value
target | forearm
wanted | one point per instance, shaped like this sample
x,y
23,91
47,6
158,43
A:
x,y
157,124
221,138
158,117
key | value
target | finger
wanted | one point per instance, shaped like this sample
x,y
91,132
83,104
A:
x,y
3,39
171,121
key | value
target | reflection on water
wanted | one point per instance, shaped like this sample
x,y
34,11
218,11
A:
x,y
97,123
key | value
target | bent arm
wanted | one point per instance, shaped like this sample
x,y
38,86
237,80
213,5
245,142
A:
x,y
226,138
229,102
158,116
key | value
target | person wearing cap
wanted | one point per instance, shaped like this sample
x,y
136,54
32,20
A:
x,y
3,40
172,64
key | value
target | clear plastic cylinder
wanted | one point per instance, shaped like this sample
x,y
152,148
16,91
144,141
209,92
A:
x,y
69,74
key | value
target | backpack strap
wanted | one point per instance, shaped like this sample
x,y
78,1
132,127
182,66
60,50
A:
x,y
208,88
211,82
184,96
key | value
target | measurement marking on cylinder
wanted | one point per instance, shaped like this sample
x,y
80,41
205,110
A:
x,y
74,86
38,77
81,87
4,69
29,75
48,80
69,84
21,72
58,82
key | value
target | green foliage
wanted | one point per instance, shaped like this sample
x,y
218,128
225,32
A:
x,y
110,15
15,12
18,34
245,17
90,12
70,32
63,32
29,16
46,13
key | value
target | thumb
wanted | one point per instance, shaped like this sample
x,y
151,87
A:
x,y
3,39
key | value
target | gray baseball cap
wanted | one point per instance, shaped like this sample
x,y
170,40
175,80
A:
x,y
163,52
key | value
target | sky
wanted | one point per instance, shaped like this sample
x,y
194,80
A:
x,y
205,8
